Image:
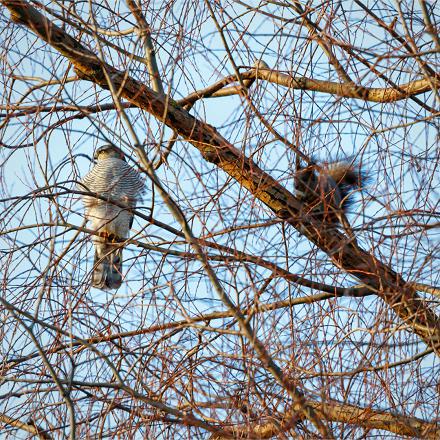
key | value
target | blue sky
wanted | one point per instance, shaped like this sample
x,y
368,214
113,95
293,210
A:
x,y
323,125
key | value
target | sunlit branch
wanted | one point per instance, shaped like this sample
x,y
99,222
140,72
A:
x,y
368,418
346,90
30,427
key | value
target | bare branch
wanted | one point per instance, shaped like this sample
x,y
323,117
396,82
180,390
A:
x,y
150,54
389,285
28,427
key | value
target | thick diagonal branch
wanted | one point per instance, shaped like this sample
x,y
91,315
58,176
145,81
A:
x,y
389,285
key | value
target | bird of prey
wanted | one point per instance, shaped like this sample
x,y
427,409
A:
x,y
113,180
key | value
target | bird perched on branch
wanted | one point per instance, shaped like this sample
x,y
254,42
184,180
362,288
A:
x,y
327,190
118,187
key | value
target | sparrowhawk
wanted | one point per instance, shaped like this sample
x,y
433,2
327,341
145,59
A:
x,y
113,180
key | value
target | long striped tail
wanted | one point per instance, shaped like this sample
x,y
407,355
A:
x,y
107,271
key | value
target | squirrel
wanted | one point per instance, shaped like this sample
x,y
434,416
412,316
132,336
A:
x,y
327,190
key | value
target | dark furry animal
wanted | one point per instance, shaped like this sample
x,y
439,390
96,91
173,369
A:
x,y
327,190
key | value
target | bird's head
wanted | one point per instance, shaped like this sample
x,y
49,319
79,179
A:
x,y
108,151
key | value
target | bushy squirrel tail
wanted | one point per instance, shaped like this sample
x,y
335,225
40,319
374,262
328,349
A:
x,y
328,187
348,178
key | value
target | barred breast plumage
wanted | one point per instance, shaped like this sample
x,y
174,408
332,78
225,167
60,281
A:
x,y
113,177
